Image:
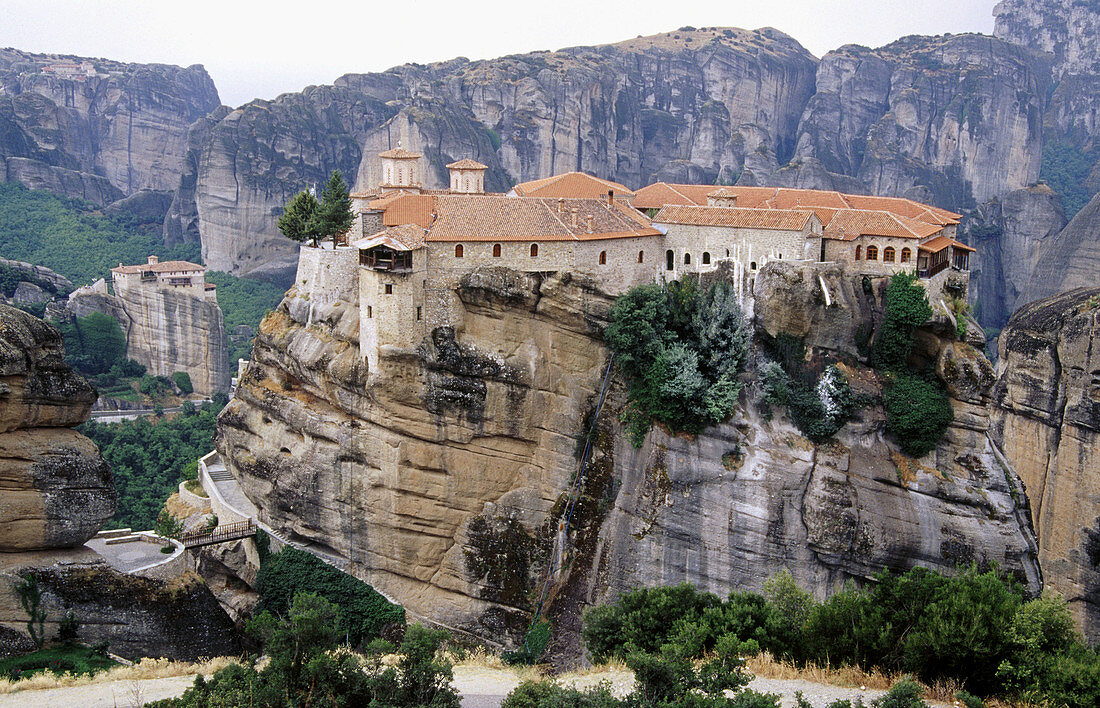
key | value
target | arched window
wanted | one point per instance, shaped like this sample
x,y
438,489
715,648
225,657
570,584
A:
x,y
603,257
752,266
496,250
906,255
872,253
687,259
706,257
888,254
859,252
641,256
534,250
458,250
669,263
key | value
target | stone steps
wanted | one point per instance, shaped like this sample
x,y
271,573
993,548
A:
x,y
220,475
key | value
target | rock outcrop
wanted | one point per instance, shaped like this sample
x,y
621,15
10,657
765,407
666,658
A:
x,y
166,332
56,489
1069,260
100,132
441,478
1047,420
56,492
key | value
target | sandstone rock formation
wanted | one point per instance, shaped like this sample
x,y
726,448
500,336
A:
x,y
98,137
56,492
167,332
442,477
56,489
1047,420
1070,259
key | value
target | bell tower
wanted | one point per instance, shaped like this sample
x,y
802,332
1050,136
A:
x,y
400,168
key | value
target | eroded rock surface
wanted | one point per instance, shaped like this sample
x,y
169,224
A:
x,y
1047,419
442,477
55,489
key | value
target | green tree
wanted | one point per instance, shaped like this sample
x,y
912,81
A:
x,y
299,221
183,382
917,413
334,215
906,309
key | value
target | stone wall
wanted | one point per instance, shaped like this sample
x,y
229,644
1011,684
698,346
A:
x,y
326,275
845,252
750,246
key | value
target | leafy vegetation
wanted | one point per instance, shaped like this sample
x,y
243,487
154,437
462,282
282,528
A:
x,y
682,346
906,309
976,628
308,668
149,457
65,658
73,238
304,218
11,277
93,344
1066,169
819,406
363,611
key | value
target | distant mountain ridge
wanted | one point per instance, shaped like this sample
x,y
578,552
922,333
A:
x,y
959,121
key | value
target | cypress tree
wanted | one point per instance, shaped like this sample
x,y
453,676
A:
x,y
299,221
334,215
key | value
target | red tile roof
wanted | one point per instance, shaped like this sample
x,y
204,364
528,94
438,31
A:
x,y
407,237
661,194
162,267
467,164
571,185
735,217
848,224
941,242
400,153
461,217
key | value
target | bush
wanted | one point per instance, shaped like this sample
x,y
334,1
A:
x,y
364,611
917,413
183,382
906,309
903,694
682,347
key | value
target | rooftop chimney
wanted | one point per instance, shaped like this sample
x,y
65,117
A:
x,y
573,211
561,205
588,222
610,197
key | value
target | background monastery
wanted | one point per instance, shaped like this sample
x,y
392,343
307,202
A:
x,y
409,246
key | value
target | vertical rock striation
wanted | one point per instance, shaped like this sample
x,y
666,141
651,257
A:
x,y
97,137
1047,419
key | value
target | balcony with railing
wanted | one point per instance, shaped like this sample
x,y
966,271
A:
x,y
386,259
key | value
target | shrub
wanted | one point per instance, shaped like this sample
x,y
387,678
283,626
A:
x,y
906,309
917,413
906,693
682,347
364,611
642,620
183,382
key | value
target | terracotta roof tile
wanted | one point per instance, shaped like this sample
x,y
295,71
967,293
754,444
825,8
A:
x,y
408,209
162,267
571,185
480,218
467,164
400,153
941,242
848,224
407,237
735,217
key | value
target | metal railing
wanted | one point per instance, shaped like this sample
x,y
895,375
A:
x,y
219,534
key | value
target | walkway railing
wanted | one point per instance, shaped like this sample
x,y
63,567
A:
x,y
219,534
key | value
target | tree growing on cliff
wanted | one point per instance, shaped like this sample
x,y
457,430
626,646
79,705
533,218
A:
x,y
334,215
299,220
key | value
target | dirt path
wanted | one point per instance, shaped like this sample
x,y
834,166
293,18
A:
x,y
480,688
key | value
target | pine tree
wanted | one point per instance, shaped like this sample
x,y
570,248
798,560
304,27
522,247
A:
x,y
299,221
334,215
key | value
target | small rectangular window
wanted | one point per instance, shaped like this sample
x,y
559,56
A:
x,y
370,312
418,313
389,289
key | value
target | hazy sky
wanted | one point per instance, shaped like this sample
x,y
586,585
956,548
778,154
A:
x,y
259,50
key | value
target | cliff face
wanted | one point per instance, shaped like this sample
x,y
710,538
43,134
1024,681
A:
x,y
1047,418
55,489
442,477
167,332
949,120
684,105
97,137
56,492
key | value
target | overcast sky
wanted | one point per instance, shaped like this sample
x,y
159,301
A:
x,y
259,50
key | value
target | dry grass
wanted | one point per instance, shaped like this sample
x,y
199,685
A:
x,y
481,658
764,666
145,669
